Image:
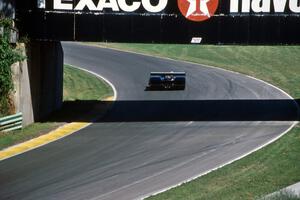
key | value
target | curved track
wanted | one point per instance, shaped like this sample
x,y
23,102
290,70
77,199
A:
x,y
150,140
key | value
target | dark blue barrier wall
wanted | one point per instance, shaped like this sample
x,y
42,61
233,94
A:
x,y
166,26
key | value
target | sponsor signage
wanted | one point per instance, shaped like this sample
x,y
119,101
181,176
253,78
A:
x,y
265,6
198,10
113,5
174,21
196,40
195,10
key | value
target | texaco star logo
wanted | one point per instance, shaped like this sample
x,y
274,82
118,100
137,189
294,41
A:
x,y
198,10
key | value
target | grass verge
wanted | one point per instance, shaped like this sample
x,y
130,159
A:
x,y
267,170
81,86
27,133
263,172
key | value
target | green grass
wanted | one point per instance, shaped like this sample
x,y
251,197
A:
x,y
78,85
27,133
270,169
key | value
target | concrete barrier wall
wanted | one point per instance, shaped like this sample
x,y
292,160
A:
x,y
39,81
22,93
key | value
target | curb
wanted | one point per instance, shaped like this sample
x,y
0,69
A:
x,y
292,191
54,135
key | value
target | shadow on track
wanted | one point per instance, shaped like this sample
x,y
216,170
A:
x,y
198,110
79,111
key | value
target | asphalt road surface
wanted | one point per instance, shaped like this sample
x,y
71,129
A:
x,y
150,140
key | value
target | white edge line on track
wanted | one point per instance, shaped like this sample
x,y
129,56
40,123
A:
x,y
220,166
231,161
114,98
201,65
101,77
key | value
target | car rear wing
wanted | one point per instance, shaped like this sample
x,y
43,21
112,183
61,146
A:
x,y
167,73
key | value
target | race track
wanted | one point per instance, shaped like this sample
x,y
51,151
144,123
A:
x,y
150,140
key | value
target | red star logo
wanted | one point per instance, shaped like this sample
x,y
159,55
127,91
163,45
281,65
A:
x,y
198,10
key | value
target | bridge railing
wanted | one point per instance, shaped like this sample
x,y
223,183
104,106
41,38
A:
x,y
10,123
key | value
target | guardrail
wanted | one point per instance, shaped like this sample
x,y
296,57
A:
x,y
10,123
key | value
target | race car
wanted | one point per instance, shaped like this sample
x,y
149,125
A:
x,y
167,80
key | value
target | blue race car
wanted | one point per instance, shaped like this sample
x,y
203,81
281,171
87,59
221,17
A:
x,y
167,80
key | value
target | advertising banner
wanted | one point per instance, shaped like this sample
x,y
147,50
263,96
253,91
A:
x,y
163,21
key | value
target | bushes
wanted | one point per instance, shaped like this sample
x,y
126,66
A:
x,y
8,56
